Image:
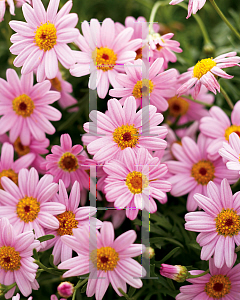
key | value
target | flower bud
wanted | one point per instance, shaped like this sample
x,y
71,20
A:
x,y
65,289
177,273
149,253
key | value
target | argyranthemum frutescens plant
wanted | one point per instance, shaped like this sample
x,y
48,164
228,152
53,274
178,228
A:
x,y
161,162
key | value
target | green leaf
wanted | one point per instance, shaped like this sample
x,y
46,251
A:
x,y
35,254
46,237
51,259
170,254
195,245
131,291
83,289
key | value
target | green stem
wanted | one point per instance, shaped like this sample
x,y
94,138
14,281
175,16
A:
x,y
225,95
153,13
124,294
222,16
196,101
199,275
49,270
78,285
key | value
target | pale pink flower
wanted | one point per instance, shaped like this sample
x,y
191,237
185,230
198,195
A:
x,y
123,127
72,217
10,3
42,41
135,181
17,297
29,205
65,88
65,289
218,127
25,108
231,152
16,263
177,272
67,163
11,168
103,53
156,85
204,72
222,284
107,260
193,5
194,170
219,224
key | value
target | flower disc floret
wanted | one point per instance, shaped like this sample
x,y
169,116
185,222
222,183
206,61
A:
x,y
23,105
104,258
46,36
66,223
28,209
203,171
126,136
230,129
203,66
177,106
136,182
10,174
143,88
218,286
9,258
228,223
20,148
56,84
68,162
104,58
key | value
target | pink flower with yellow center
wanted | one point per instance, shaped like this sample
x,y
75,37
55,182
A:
x,y
123,127
107,260
42,41
16,263
205,72
193,5
25,108
103,53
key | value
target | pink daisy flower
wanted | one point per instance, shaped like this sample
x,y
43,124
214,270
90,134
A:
x,y
34,147
218,127
204,72
42,41
220,284
231,152
177,273
193,5
219,224
193,170
158,85
10,168
25,108
103,53
10,3
123,127
67,163
109,262
28,206
65,88
72,217
134,181
117,215
16,263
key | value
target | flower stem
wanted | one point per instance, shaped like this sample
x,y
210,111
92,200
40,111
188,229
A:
x,y
124,294
78,285
222,16
225,95
199,275
153,13
49,270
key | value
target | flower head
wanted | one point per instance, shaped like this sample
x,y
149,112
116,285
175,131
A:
x,y
42,41
65,289
177,273
204,72
193,5
25,108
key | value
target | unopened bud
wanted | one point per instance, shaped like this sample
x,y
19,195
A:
x,y
65,289
149,253
177,273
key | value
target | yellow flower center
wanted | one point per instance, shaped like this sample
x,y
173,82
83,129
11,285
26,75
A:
x,y
20,148
136,182
68,162
104,58
56,84
177,106
9,258
143,88
105,258
218,286
66,223
203,66
138,53
126,136
46,36
23,105
10,174
203,172
28,209
227,222
231,129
